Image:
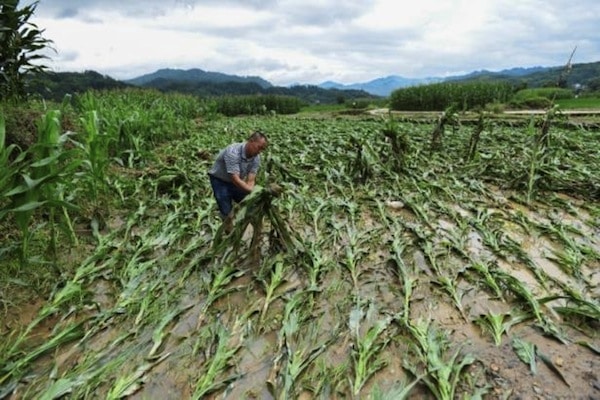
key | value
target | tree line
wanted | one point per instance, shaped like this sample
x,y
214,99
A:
x,y
55,86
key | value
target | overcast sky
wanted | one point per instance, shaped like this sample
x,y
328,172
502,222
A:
x,y
311,41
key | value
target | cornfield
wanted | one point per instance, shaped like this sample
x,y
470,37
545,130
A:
x,y
386,269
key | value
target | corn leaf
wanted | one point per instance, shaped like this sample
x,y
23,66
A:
x,y
526,352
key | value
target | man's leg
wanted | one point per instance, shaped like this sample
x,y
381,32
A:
x,y
223,196
237,194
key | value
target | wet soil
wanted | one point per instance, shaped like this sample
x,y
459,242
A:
x,y
568,369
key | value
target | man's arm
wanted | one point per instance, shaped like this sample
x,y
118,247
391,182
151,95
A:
x,y
251,180
248,185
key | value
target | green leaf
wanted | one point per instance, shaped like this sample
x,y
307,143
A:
x,y
2,132
590,346
526,352
30,206
58,389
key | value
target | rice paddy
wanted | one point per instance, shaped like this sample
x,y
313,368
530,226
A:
x,y
390,266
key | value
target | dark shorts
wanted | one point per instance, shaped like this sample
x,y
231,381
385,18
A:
x,y
225,194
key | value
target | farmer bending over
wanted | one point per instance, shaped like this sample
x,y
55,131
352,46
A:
x,y
233,174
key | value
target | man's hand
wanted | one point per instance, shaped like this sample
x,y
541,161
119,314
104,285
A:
x,y
239,182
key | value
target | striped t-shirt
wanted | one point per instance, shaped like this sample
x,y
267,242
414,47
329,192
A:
x,y
232,160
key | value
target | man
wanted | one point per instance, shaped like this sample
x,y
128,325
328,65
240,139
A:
x,y
233,174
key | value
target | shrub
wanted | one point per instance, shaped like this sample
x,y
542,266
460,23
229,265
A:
x,y
532,103
550,93
359,104
495,108
259,104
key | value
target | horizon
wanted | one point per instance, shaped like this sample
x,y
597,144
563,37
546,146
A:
x,y
325,81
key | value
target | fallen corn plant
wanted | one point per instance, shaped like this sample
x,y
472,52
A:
x,y
405,276
316,215
14,368
366,348
159,334
227,344
576,307
483,269
450,285
253,210
299,347
355,251
439,371
217,283
494,324
317,263
523,292
511,247
276,271
433,254
519,289
399,391
130,384
326,379
91,371
526,352
570,261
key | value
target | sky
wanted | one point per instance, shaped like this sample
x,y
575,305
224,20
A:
x,y
311,41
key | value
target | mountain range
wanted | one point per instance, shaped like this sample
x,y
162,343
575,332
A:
x,y
55,85
386,85
195,75
379,87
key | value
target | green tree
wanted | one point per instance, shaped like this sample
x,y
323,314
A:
x,y
594,84
20,43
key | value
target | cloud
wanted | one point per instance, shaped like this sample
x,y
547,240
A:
x,y
310,41
65,13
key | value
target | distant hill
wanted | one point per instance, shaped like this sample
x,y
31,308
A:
x,y
206,84
580,74
55,85
195,75
385,86
381,86
512,72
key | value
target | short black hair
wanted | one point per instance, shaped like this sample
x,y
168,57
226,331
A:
x,y
256,135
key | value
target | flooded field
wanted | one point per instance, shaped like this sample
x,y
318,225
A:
x,y
439,273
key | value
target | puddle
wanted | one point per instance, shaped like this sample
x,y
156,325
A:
x,y
255,361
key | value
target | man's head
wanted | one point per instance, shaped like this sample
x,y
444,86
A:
x,y
256,143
